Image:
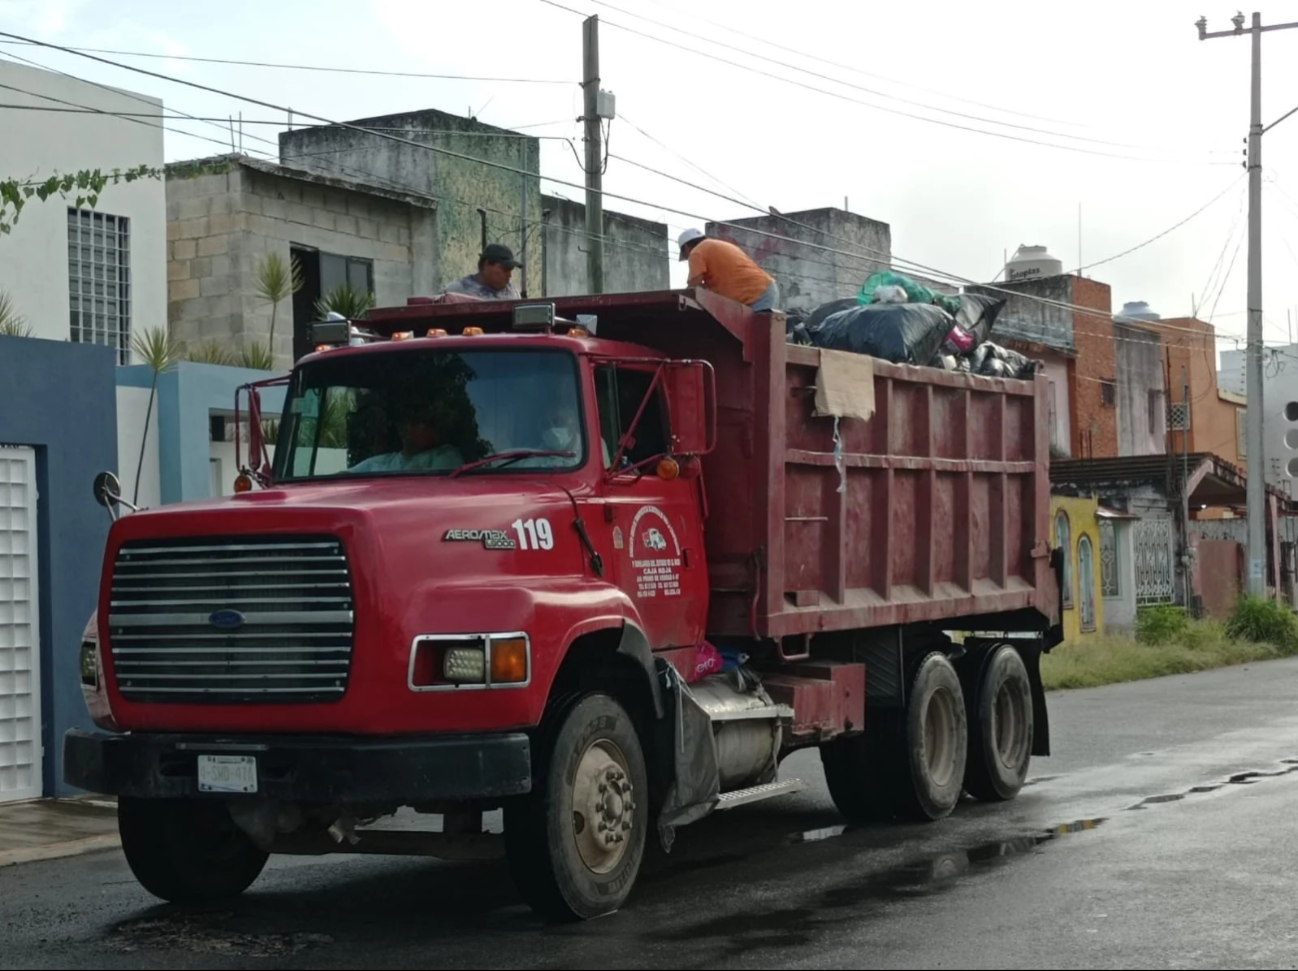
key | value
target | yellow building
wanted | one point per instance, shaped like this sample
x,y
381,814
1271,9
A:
x,y
1075,526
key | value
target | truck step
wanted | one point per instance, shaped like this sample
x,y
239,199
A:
x,y
742,797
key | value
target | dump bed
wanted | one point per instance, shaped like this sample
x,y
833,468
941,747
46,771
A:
x,y
936,509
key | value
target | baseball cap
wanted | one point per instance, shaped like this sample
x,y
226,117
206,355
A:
x,y
499,253
686,237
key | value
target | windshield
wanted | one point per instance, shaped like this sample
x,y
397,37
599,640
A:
x,y
431,412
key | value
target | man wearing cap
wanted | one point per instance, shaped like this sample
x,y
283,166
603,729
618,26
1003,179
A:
x,y
492,281
726,269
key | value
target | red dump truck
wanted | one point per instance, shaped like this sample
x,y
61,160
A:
x,y
601,562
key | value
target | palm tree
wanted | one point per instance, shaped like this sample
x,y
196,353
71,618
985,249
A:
x,y
277,280
12,323
211,352
156,348
346,300
257,356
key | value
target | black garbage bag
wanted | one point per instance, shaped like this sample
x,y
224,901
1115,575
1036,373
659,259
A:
x,y
978,313
903,333
826,310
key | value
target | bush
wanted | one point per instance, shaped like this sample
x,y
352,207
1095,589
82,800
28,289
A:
x,y
1262,620
1163,624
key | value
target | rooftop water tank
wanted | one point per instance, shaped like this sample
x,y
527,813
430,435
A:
x,y
1030,262
1138,310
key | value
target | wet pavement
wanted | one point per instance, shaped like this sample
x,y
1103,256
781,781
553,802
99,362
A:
x,y
1162,834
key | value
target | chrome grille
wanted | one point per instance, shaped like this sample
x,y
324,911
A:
x,y
232,619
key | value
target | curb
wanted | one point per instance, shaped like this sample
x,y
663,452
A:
x,y
58,851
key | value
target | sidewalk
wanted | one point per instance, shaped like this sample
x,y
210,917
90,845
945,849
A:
x,y
48,829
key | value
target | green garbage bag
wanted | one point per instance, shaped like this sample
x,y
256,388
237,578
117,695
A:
x,y
915,292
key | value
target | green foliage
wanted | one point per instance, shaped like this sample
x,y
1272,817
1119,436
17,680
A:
x,y
258,357
1262,620
12,323
277,280
346,300
84,187
1163,624
211,352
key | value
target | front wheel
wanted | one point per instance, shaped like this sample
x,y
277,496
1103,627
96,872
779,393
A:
x,y
187,851
576,842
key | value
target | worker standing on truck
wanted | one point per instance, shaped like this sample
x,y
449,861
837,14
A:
x,y
496,266
726,269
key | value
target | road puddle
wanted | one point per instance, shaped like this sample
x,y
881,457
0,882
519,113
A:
x,y
1251,777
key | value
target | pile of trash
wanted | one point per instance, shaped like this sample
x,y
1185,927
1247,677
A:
x,y
898,320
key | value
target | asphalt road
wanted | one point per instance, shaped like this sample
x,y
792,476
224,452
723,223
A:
x,y
1163,834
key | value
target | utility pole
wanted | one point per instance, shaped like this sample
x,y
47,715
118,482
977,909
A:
x,y
1253,354
594,163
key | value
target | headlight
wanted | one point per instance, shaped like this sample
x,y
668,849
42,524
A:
x,y
460,661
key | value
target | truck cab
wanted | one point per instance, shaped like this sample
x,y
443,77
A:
x,y
477,574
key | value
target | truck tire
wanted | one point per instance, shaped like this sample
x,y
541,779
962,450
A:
x,y
1000,728
576,843
909,763
187,851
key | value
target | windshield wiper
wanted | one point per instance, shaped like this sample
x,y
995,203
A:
x,y
512,455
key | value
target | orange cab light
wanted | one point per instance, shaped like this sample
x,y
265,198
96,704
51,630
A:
x,y
668,469
471,331
509,661
403,335
578,332
243,482
322,347
435,332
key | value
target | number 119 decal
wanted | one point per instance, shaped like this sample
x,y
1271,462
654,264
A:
x,y
534,534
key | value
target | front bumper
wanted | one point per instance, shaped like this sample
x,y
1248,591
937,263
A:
x,y
301,769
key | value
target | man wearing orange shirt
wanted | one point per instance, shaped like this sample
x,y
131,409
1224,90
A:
x,y
726,269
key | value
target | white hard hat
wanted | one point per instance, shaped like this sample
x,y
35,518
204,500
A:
x,y
688,236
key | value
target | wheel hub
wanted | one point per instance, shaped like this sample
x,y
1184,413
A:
x,y
603,806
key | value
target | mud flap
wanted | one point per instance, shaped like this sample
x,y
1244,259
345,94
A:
x,y
693,786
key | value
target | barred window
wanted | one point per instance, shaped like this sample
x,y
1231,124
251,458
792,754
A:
x,y
99,280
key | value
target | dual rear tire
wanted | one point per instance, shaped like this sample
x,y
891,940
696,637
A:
x,y
970,734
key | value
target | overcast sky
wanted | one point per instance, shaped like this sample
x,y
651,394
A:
x,y
1103,78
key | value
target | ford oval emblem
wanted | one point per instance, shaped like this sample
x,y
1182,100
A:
x,y
226,619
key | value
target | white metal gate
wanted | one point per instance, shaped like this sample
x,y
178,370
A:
x,y
20,683
1155,582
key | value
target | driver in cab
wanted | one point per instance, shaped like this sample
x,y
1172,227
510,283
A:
x,y
422,448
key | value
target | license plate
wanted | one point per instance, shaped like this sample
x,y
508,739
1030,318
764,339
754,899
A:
x,y
227,773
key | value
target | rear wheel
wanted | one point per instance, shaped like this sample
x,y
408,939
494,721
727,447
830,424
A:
x,y
187,852
576,842
909,763
1000,728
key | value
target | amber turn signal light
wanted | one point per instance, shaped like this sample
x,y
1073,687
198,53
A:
x,y
509,661
668,469
243,483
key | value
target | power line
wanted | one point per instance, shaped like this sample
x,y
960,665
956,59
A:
x,y
1170,229
693,14
882,94
512,133
938,274
868,104
302,67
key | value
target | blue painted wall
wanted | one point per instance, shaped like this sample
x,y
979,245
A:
x,y
187,395
60,398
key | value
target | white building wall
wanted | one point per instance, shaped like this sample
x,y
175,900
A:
x,y
132,406
39,144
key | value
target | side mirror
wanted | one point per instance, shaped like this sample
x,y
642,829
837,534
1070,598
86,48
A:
x,y
108,490
691,403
